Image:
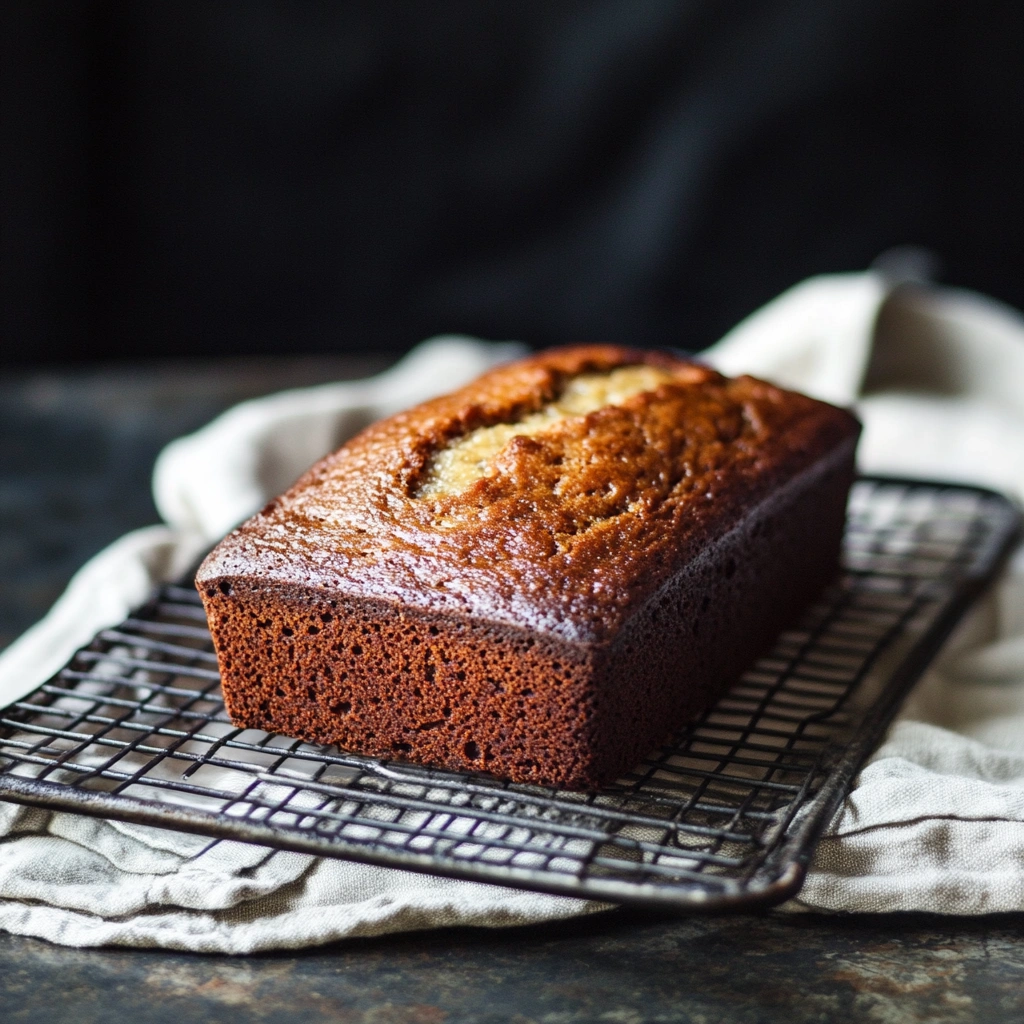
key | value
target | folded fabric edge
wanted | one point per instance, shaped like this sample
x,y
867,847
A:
x,y
205,932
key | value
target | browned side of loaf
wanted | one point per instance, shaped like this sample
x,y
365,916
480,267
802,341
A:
x,y
395,681
402,683
708,624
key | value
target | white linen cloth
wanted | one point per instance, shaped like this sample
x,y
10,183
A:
x,y
935,821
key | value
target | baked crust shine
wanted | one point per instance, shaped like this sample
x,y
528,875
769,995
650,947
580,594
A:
x,y
551,622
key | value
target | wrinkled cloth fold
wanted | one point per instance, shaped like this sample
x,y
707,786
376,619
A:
x,y
935,821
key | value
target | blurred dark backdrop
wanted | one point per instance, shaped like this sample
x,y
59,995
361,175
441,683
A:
x,y
188,178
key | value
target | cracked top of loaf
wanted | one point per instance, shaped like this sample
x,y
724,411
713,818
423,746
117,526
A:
x,y
556,493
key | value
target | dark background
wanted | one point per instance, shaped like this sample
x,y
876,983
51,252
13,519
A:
x,y
202,179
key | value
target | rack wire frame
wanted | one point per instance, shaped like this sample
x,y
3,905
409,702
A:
x,y
725,816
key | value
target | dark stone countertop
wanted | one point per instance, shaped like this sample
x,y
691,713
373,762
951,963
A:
x,y
76,447
623,968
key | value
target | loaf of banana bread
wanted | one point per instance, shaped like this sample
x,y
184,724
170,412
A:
x,y
541,575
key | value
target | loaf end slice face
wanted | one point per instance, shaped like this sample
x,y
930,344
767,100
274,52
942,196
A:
x,y
540,576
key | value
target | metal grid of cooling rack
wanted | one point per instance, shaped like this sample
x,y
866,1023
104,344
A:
x,y
724,816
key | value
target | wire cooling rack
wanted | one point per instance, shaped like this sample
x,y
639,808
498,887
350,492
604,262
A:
x,y
726,815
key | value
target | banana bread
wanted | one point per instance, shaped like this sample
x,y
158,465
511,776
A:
x,y
541,575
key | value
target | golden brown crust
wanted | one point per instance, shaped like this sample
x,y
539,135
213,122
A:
x,y
564,550
575,528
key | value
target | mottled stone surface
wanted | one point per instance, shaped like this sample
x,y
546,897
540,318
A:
x,y
624,968
75,452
